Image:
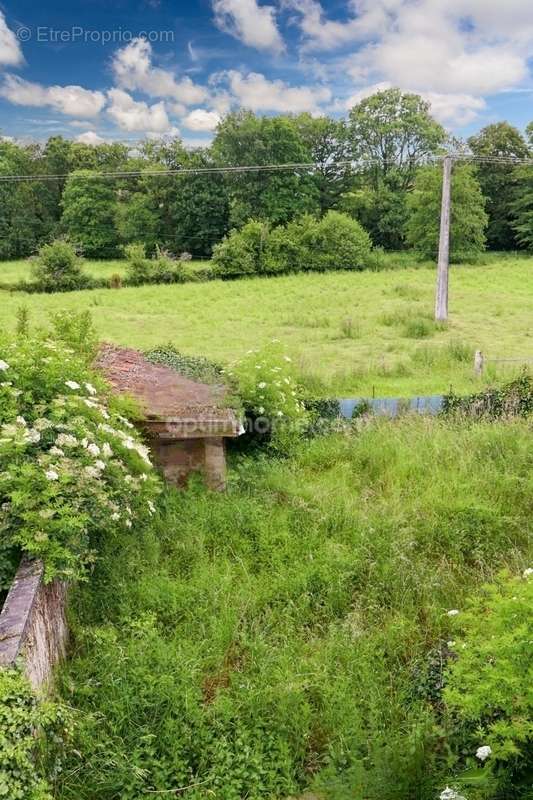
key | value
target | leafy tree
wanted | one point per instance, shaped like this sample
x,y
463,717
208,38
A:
x,y
327,141
89,213
499,181
468,216
396,130
381,211
244,139
522,207
58,268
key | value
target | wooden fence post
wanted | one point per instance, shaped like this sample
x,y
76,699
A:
x,y
441,295
479,362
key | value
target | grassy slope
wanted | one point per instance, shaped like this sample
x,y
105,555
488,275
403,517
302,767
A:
x,y
334,324
295,635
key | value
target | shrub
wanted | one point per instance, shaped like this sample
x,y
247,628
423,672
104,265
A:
x,y
162,268
58,268
513,399
334,242
22,718
240,253
488,691
71,467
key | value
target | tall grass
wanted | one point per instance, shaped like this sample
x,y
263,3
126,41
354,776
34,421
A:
x,y
291,634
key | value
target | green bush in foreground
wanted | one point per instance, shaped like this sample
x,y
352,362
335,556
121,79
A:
x,y
22,720
293,633
489,690
71,466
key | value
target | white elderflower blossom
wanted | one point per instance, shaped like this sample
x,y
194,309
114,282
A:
x,y
128,523
452,612
66,440
261,410
91,472
90,388
51,475
42,424
33,436
151,507
3,365
21,421
527,572
483,752
90,403
99,465
106,450
56,451
450,794
115,515
72,385
93,449
262,385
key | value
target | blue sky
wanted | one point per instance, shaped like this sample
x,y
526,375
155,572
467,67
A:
x,y
81,70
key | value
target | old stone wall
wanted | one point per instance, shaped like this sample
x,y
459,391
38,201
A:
x,y
33,625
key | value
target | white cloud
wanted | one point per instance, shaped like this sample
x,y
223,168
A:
x,y
70,100
201,120
10,52
257,93
455,52
133,70
89,137
252,24
133,115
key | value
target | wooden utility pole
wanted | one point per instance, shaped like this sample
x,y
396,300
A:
x,y
441,296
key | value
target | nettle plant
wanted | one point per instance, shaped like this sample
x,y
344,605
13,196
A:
x,y
72,467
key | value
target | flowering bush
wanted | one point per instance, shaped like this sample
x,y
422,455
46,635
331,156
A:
x,y
488,688
71,466
269,392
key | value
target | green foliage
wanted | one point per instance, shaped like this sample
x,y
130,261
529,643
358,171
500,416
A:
x,y
334,242
161,268
499,181
512,399
22,720
71,468
488,690
522,207
468,217
290,635
382,211
195,367
58,268
89,212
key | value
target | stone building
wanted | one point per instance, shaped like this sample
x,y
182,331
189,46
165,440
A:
x,y
185,422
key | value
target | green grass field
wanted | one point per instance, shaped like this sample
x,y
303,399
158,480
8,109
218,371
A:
x,y
350,333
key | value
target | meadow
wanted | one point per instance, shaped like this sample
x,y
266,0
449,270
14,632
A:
x,y
295,638
350,333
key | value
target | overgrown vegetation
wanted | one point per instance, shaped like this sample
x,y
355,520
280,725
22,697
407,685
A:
x,y
71,466
512,399
298,637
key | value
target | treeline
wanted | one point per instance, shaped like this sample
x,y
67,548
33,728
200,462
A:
x,y
391,135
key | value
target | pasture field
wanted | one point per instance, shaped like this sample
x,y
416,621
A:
x,y
351,333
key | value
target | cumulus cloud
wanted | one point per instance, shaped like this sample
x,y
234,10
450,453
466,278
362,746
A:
x,y
70,100
252,24
454,52
133,70
10,52
256,92
201,120
89,137
134,115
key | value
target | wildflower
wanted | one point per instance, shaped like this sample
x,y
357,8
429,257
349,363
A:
x,y
128,523
115,515
3,365
56,451
450,794
261,410
6,384
99,465
279,413
151,507
106,450
66,440
262,384
51,475
90,403
483,752
93,449
42,424
72,385
453,612
21,421
287,359
527,572
104,413
90,388
33,436
92,472
451,644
